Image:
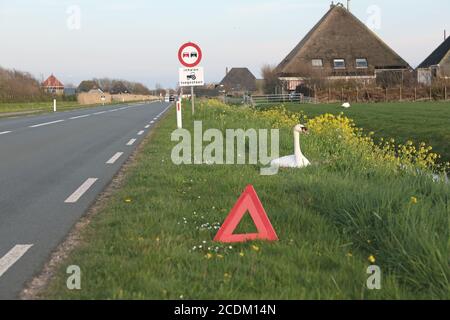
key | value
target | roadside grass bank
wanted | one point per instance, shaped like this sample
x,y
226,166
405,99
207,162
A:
x,y
427,122
355,206
8,109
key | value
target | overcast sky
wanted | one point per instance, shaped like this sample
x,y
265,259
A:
x,y
138,39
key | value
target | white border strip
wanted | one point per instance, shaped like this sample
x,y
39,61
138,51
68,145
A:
x,y
115,158
81,190
131,142
9,259
46,124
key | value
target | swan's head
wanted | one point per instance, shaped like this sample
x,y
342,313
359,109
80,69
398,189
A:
x,y
301,129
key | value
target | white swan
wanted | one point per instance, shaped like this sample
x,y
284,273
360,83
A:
x,y
346,105
298,160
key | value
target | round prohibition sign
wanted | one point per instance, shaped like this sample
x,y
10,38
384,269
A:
x,y
190,55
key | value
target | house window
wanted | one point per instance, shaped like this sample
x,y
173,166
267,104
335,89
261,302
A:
x,y
339,63
362,63
317,63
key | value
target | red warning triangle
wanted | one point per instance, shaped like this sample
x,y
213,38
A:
x,y
250,202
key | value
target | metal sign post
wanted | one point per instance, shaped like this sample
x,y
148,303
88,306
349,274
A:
x,y
193,100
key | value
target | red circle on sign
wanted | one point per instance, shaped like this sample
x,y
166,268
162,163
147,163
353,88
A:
x,y
199,55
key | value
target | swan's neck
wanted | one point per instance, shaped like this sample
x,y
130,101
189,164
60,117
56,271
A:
x,y
297,147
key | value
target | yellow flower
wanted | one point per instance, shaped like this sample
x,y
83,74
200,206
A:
x,y
372,259
349,254
227,275
255,248
128,200
242,254
414,200
209,256
220,256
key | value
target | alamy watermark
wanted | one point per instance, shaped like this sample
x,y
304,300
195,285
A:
x,y
374,17
375,278
74,17
74,280
237,146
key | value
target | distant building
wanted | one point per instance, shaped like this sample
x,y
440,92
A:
x,y
239,80
339,47
70,91
53,85
436,66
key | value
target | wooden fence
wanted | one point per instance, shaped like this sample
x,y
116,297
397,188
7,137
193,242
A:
x,y
380,94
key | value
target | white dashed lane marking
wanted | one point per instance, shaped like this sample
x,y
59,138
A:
x,y
9,259
80,117
114,158
81,190
46,124
5,132
147,126
140,133
131,142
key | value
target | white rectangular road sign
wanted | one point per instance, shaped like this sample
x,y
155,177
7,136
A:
x,y
192,77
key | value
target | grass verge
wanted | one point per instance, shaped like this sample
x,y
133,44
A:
x,y
420,121
12,109
154,239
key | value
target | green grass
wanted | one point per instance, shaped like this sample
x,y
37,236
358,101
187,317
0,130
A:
x,y
427,122
39,107
329,217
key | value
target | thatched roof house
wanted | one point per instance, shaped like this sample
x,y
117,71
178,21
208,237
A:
x,y
340,46
436,66
239,80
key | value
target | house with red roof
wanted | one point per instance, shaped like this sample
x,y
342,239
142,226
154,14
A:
x,y
53,85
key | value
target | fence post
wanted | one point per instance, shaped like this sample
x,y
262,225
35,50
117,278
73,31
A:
x,y
315,94
431,93
386,95
329,95
357,94
401,93
415,94
445,93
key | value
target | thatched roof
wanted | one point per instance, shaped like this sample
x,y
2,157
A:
x,y
437,56
239,79
340,35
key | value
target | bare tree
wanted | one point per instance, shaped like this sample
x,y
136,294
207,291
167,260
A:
x,y
271,81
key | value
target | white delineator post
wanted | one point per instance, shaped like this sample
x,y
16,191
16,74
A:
x,y
179,115
54,105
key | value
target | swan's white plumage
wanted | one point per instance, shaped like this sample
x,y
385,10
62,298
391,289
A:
x,y
298,160
346,105
290,162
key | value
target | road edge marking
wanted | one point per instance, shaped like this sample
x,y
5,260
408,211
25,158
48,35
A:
x,y
46,124
114,158
12,256
74,197
131,142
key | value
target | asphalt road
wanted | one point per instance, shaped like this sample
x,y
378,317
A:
x,y
52,168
